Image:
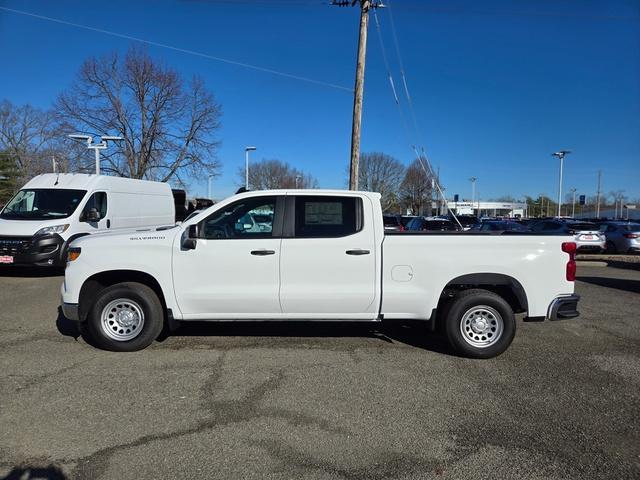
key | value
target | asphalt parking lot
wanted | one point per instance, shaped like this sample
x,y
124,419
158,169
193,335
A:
x,y
322,401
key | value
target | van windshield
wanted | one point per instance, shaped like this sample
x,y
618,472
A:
x,y
42,204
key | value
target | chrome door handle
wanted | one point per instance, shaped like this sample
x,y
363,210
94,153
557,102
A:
x,y
358,251
262,253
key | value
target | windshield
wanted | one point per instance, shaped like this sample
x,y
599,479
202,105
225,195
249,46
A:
x,y
42,204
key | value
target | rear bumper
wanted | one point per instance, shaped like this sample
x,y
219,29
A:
x,y
591,247
564,307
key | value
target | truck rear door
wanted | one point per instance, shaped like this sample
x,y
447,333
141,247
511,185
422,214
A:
x,y
328,258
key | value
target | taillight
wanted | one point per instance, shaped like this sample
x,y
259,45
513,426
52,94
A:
x,y
631,235
570,248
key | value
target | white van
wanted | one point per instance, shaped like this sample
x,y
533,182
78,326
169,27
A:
x,y
52,210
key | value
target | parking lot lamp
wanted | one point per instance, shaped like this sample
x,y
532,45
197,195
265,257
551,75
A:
x,y
573,204
96,147
560,154
209,186
246,165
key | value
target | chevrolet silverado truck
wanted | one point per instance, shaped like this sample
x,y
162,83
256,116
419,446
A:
x,y
314,255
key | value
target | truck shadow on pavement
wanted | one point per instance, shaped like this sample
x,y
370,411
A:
x,y
35,473
67,327
409,333
626,284
414,334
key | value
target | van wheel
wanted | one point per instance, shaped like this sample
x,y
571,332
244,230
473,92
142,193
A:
x,y
125,317
480,324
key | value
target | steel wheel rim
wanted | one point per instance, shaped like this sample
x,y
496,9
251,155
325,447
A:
x,y
122,320
481,326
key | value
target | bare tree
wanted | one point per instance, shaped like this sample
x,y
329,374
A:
x,y
274,174
415,189
379,172
27,136
169,126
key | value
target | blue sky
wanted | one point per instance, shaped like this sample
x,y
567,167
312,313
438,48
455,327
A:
x,y
497,86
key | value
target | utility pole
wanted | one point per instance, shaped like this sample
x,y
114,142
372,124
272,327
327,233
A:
x,y
598,195
365,6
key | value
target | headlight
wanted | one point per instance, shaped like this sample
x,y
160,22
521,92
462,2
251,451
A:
x,y
50,230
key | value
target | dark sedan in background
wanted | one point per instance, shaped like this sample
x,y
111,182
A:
x,y
434,225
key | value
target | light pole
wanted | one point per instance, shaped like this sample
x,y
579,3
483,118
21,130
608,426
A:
x,y
246,165
209,187
573,204
298,177
473,190
96,147
560,154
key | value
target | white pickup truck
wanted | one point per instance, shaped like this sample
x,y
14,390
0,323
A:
x,y
314,255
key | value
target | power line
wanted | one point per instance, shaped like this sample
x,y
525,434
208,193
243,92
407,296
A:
x,y
181,50
424,7
429,172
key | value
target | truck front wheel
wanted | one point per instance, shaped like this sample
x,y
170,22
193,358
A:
x,y
125,317
480,324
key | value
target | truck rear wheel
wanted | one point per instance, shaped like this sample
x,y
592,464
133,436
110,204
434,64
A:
x,y
125,317
480,324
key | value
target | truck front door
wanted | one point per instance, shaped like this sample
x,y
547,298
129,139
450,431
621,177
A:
x,y
234,271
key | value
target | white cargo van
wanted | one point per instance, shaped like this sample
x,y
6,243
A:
x,y
52,210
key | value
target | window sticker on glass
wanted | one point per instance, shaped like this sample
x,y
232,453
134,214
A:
x,y
323,213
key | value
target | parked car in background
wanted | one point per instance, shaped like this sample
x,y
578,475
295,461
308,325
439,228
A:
x,y
405,219
498,226
52,210
587,235
392,223
433,225
622,237
467,221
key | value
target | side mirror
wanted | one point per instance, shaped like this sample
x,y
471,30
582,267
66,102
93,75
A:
x,y
189,238
92,215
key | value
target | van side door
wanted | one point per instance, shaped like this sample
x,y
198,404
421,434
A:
x,y
328,260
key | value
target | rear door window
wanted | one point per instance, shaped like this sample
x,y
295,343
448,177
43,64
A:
x,y
323,217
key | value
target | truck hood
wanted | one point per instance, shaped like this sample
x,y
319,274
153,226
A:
x,y
20,228
130,238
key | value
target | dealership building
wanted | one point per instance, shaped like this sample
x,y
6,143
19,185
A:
x,y
489,209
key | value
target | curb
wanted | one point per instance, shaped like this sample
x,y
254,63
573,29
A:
x,y
590,263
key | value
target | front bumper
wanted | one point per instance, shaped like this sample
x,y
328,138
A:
x,y
71,311
41,251
564,307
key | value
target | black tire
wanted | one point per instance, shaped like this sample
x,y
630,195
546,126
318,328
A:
x,y
128,296
462,311
611,248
